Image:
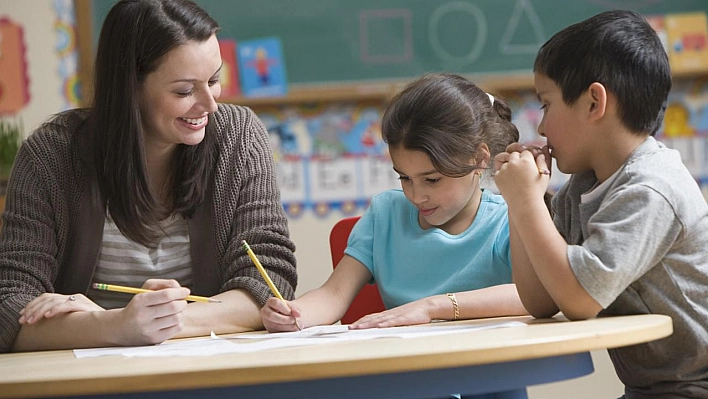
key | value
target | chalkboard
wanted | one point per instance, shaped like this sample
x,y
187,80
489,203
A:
x,y
356,40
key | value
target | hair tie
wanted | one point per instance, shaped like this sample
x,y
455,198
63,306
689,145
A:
x,y
491,98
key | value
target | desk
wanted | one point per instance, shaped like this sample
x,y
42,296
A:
x,y
475,362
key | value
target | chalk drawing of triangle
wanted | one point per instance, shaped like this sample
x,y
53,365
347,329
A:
x,y
522,9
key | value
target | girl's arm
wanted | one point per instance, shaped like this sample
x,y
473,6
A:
x,y
499,300
324,305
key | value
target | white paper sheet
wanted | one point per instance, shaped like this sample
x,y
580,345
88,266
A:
x,y
251,342
342,332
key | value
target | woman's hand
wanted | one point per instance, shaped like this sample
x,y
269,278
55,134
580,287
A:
x,y
152,317
51,305
416,312
280,316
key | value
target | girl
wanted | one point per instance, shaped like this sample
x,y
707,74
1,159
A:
x,y
439,248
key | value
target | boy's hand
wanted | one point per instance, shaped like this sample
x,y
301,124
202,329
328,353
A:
x,y
280,316
535,150
521,175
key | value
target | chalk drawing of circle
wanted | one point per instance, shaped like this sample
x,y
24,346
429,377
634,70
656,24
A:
x,y
479,39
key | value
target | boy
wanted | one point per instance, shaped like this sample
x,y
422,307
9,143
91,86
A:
x,y
630,231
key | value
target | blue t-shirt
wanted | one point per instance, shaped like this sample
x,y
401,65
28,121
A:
x,y
409,263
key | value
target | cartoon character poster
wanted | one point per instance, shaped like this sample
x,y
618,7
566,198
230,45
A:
x,y
262,67
687,41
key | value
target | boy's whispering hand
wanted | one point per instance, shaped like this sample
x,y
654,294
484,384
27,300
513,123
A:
x,y
522,172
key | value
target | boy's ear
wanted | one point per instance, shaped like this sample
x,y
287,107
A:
x,y
597,101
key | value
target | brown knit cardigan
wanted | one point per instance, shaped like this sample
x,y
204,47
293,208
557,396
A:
x,y
53,219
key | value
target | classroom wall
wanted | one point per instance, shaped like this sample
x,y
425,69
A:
x,y
47,45
38,20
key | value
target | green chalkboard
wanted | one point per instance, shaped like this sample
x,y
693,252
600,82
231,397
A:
x,y
355,40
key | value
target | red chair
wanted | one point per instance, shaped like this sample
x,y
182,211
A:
x,y
368,300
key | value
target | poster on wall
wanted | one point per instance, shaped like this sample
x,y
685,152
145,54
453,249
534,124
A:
x,y
262,67
67,54
14,80
687,41
328,157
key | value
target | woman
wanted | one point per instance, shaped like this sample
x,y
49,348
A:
x,y
155,185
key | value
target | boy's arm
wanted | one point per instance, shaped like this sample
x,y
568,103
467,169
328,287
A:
x,y
547,251
542,246
531,291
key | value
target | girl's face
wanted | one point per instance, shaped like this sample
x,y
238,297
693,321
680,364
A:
x,y
177,97
449,203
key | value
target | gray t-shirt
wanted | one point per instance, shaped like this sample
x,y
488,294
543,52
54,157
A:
x,y
640,245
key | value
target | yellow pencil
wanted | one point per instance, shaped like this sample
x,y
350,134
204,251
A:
x,y
131,290
267,279
260,268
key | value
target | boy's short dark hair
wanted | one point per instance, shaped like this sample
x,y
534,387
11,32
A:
x,y
620,50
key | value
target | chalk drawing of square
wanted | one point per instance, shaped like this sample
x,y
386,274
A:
x,y
392,34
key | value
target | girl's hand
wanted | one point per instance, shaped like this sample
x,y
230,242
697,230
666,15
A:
x,y
416,312
152,317
51,305
278,316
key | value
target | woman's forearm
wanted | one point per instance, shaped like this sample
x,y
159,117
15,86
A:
x,y
238,311
69,331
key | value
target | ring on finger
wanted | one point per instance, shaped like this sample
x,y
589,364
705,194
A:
x,y
544,171
71,298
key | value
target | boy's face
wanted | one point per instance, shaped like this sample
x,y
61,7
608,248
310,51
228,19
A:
x,y
449,203
562,125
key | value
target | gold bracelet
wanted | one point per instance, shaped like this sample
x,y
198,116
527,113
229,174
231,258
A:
x,y
455,307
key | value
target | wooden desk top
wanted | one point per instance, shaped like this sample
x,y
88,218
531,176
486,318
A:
x,y
39,374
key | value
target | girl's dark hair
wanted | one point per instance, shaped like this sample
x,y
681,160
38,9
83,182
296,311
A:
x,y
136,34
447,117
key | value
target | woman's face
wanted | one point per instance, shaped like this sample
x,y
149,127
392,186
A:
x,y
176,98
